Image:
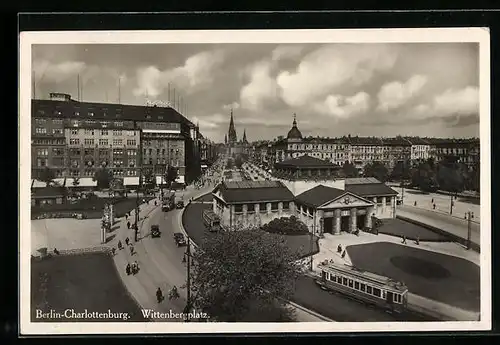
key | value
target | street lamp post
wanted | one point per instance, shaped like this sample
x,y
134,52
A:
x,y
451,203
188,282
311,242
469,215
136,225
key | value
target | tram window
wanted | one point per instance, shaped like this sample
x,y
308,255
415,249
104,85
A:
x,y
395,298
339,279
323,273
356,285
363,287
368,289
350,283
344,281
376,292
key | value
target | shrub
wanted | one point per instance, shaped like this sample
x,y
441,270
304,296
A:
x,y
286,226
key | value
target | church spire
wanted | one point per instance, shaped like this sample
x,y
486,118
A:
x,y
245,136
225,139
231,135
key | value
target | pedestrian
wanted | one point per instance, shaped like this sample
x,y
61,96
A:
x,y
417,241
113,250
159,295
126,216
131,250
432,201
127,241
127,269
339,249
415,203
404,239
433,206
136,265
156,203
343,254
128,225
120,246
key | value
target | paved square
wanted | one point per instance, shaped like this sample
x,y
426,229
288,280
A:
x,y
443,278
79,282
398,227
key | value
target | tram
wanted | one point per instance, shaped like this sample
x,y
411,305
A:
x,y
364,286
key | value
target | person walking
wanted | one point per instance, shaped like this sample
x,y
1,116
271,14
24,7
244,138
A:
x,y
404,239
131,250
343,254
127,241
127,269
159,295
128,225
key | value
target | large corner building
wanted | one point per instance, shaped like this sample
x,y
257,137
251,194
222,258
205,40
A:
x,y
76,138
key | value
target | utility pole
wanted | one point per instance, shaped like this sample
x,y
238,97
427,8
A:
x,y
451,203
311,242
136,226
403,192
469,215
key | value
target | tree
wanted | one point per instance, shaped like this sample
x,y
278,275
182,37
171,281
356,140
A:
x,y
103,177
424,177
451,177
401,171
350,170
245,275
377,170
286,226
149,178
47,175
171,175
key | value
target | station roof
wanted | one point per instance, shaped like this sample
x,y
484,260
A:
x,y
254,191
361,180
370,189
319,195
48,192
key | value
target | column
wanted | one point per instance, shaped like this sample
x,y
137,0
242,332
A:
x,y
375,202
280,208
214,206
268,208
354,220
393,207
368,218
336,222
321,227
245,214
383,204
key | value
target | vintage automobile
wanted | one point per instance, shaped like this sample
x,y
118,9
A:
x,y
179,239
155,231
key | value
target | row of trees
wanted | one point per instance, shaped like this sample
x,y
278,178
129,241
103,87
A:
x,y
448,175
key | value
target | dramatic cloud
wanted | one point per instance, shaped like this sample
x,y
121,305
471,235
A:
x,y
287,52
395,94
342,107
211,121
330,67
196,72
464,102
262,87
234,105
57,72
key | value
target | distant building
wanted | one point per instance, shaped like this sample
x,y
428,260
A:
x,y
306,167
233,146
49,195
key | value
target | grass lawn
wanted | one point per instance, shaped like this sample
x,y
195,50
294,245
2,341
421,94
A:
x,y
91,208
79,282
398,227
443,278
193,224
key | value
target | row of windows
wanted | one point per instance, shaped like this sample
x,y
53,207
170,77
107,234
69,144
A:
x,y
161,161
104,142
316,147
44,121
262,207
48,141
362,287
159,151
102,152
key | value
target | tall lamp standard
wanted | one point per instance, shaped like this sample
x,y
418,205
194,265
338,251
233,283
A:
x,y
136,225
187,308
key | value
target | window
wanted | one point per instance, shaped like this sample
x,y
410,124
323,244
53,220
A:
x,y
41,130
57,131
350,283
344,281
356,285
160,117
40,121
117,132
263,207
363,287
41,162
286,206
163,151
339,279
57,152
88,141
104,132
368,289
103,141
57,121
150,152
376,292
119,124
130,133
250,208
74,131
74,141
131,153
42,152
90,113
274,206
117,141
89,132
238,208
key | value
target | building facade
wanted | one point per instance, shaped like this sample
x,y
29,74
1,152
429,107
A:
x,y
322,208
77,138
233,146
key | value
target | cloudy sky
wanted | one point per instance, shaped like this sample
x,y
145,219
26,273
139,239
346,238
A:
x,y
335,89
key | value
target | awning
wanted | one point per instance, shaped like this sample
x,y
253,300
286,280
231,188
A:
x,y
87,182
38,184
131,181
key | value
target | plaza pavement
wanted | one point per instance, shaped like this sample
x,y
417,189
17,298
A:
x,y
424,201
328,251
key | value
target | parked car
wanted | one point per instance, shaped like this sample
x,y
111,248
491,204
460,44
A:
x,y
155,231
179,239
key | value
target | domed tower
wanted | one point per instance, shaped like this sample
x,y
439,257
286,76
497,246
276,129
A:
x,y
294,133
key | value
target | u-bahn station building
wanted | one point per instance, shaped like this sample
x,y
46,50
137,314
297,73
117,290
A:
x,y
322,208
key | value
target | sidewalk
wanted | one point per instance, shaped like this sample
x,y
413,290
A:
x,y
440,310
